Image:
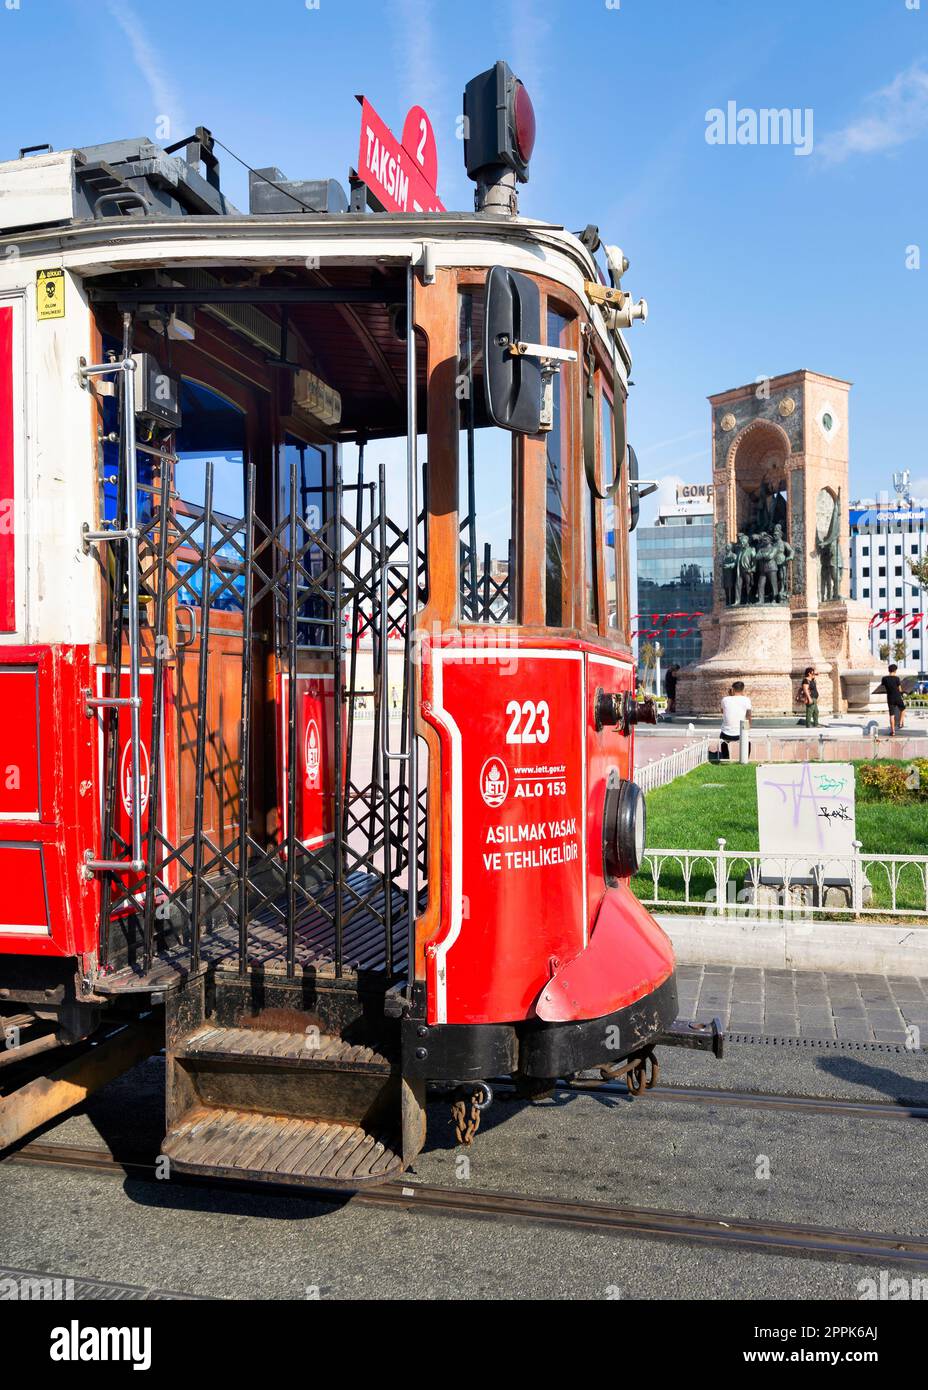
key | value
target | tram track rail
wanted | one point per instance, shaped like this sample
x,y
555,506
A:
x,y
690,1228
763,1100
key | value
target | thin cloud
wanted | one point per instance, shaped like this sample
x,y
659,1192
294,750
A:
x,y
416,48
529,32
161,90
667,443
893,116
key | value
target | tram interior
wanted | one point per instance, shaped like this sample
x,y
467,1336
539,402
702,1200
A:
x,y
269,516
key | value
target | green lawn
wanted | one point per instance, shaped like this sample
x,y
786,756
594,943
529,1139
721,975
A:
x,y
721,800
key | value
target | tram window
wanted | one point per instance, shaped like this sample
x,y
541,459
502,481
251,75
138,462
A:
x,y
557,488
607,454
487,486
213,430
312,480
589,551
111,454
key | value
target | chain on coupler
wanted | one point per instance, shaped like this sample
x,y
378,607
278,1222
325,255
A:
x,y
467,1108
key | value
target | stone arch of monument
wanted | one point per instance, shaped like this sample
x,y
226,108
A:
x,y
759,454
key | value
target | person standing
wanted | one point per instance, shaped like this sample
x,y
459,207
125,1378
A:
x,y
670,688
808,696
892,686
736,706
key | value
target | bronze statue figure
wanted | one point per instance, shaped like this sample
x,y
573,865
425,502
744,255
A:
x,y
729,568
784,554
766,567
744,574
830,558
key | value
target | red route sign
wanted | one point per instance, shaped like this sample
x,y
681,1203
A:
x,y
400,173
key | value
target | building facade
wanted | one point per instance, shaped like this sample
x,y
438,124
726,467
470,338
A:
x,y
675,575
884,536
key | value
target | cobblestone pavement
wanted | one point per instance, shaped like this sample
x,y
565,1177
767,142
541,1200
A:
x,y
807,1004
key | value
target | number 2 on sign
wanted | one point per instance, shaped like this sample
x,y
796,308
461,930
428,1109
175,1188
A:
x,y
532,714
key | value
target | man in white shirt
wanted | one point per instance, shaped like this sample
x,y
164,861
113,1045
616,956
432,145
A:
x,y
735,707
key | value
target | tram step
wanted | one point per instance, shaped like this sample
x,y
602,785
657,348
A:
x,y
312,1091
276,1048
230,1143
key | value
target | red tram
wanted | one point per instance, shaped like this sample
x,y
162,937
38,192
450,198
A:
x,y
318,696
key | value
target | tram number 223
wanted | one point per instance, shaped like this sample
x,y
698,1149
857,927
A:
x,y
529,722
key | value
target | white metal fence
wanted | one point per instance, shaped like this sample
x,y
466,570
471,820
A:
x,y
659,771
739,882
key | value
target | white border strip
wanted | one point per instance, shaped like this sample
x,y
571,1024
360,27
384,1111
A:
x,y
442,717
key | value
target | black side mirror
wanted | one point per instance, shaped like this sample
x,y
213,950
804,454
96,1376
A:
x,y
634,500
636,490
513,382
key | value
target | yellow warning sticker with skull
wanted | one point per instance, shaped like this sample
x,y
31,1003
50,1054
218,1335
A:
x,y
49,294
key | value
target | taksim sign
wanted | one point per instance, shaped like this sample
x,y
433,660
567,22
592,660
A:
x,y
401,174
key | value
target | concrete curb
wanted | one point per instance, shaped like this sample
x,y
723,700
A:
x,y
841,947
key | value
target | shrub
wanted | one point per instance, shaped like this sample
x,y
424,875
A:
x,y
892,781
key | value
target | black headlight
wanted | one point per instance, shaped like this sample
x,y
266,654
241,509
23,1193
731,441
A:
x,y
624,825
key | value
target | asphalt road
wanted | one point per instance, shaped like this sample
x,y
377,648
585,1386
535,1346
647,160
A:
x,y
223,1243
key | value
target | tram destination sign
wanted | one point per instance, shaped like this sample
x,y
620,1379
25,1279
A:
x,y
401,174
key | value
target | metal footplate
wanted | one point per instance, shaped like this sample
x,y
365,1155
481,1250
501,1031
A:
x,y
275,1149
329,1116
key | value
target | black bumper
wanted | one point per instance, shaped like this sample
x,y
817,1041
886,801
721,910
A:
x,y
472,1052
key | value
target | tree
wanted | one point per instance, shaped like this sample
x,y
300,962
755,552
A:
x,y
647,659
920,569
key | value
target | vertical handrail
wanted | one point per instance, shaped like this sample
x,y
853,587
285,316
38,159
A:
x,y
381,712
132,563
292,615
202,693
339,827
412,590
244,777
355,615
160,635
471,605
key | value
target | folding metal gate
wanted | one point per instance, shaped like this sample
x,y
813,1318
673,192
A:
x,y
274,902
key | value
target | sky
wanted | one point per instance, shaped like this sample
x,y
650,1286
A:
x,y
755,258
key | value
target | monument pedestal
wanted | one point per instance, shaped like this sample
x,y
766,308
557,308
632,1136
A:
x,y
844,631
764,646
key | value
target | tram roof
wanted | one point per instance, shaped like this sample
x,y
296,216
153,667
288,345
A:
x,y
89,203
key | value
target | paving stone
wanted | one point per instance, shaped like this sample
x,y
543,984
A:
x,y
884,1018
815,1018
853,1032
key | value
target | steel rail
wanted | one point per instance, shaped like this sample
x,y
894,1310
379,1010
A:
x,y
762,1100
824,1242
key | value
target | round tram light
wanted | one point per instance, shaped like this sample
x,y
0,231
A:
x,y
624,829
524,122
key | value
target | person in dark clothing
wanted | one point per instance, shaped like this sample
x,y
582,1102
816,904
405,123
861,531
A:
x,y
891,685
808,696
670,688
